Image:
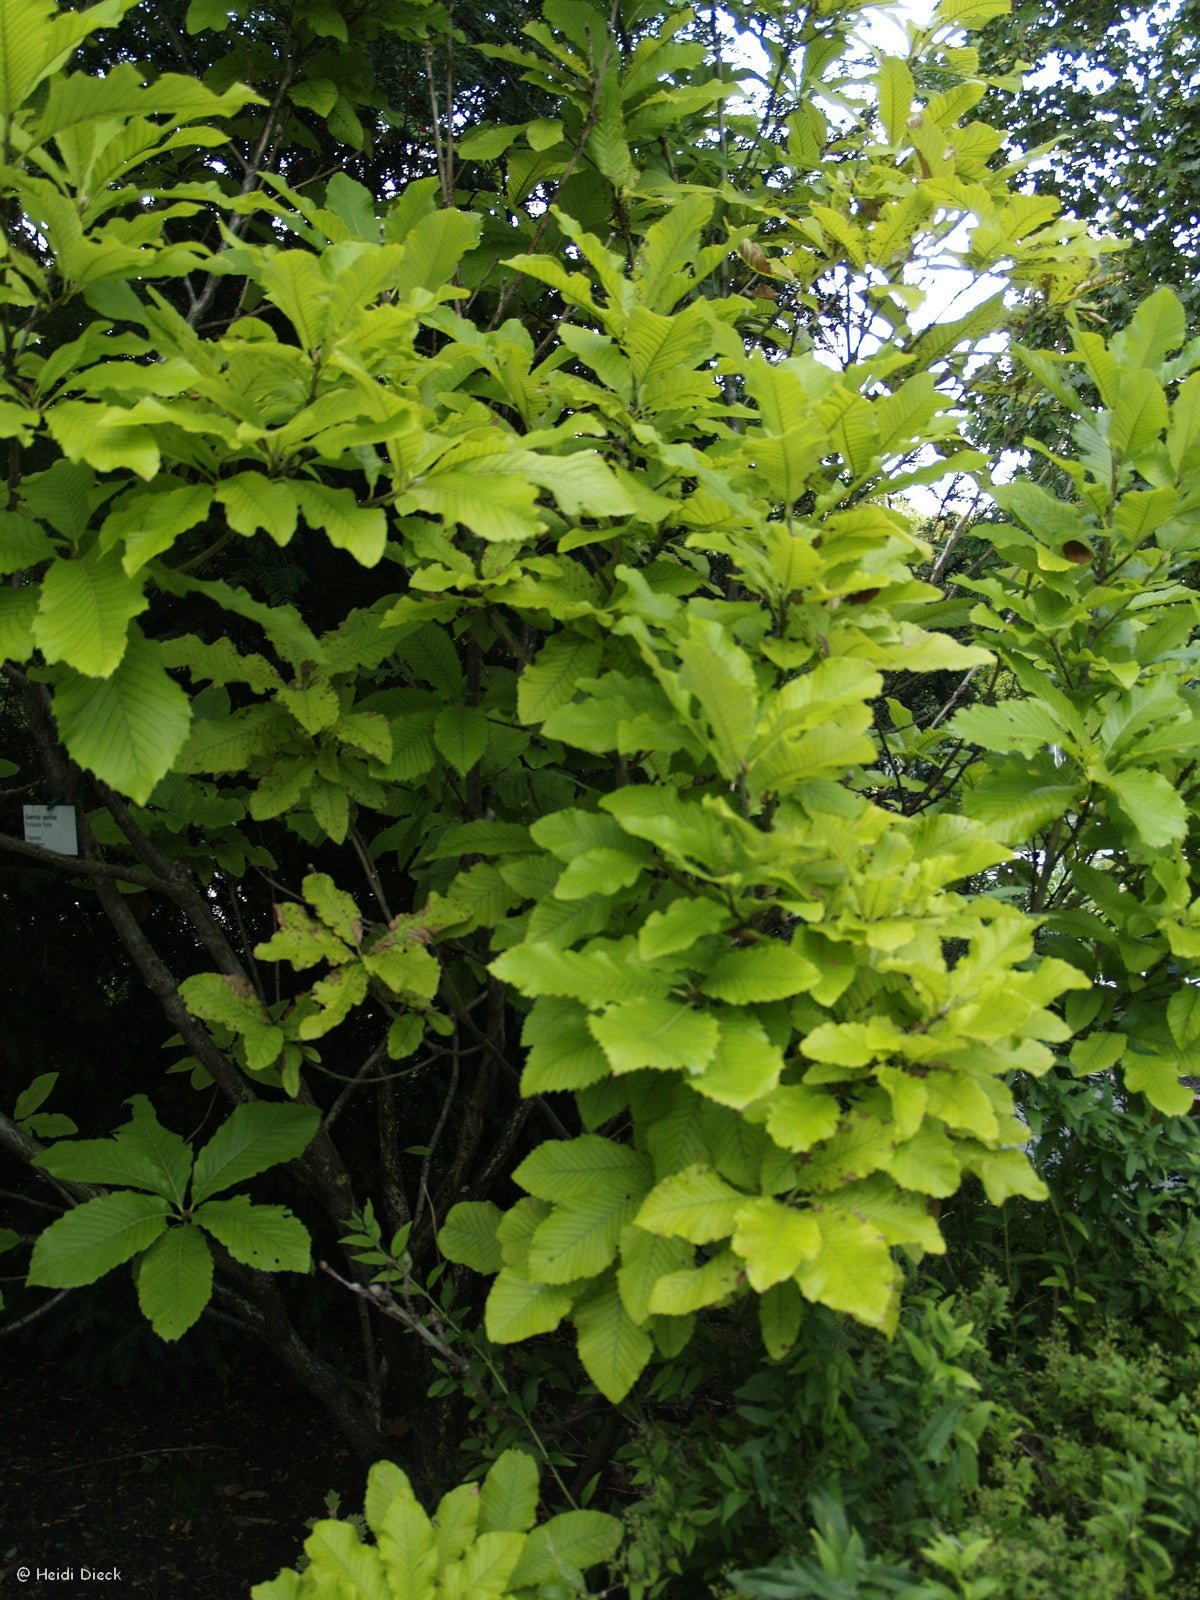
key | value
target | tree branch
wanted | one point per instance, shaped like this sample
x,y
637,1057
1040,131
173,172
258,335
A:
x,y
77,866
33,1316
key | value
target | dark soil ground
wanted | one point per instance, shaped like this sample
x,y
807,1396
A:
x,y
192,1497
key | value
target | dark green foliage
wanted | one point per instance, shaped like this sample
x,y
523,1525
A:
x,y
1038,1427
1114,96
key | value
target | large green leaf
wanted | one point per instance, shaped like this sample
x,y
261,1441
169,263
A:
x,y
722,680
174,1281
853,1272
655,1033
35,36
1157,1077
141,1155
780,1311
508,1500
1139,413
18,608
799,1117
517,1308
684,921
253,501
576,1170
668,252
456,1520
468,1235
1024,725
1154,808
482,491
336,909
267,1237
35,1094
150,520
568,1543
579,1239
484,1568
122,92
746,1066
96,1237
695,1204
773,1239
680,1293
766,971
341,1564
582,483
550,680
127,728
563,1053
598,872
461,734
927,1163
167,1156
253,1138
604,967
896,90
362,530
614,1350
404,1533
301,941
85,611
434,248
104,437
1005,1173
903,1219
1158,326
645,1258
230,1002
405,966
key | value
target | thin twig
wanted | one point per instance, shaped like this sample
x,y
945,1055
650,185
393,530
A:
x,y
956,533
28,1200
250,182
370,871
391,1307
955,697
439,149
32,1316
137,1455
352,1084
248,949
422,1183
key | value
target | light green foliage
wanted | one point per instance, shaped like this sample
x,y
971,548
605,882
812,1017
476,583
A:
x,y
154,1219
270,1040
719,935
635,573
737,1047
482,1543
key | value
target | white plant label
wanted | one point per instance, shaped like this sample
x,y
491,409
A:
x,y
53,827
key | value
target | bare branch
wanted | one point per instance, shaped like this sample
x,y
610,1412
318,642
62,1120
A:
x,y
33,1316
76,866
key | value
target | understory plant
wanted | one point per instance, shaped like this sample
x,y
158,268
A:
x,y
483,1542
1031,1430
